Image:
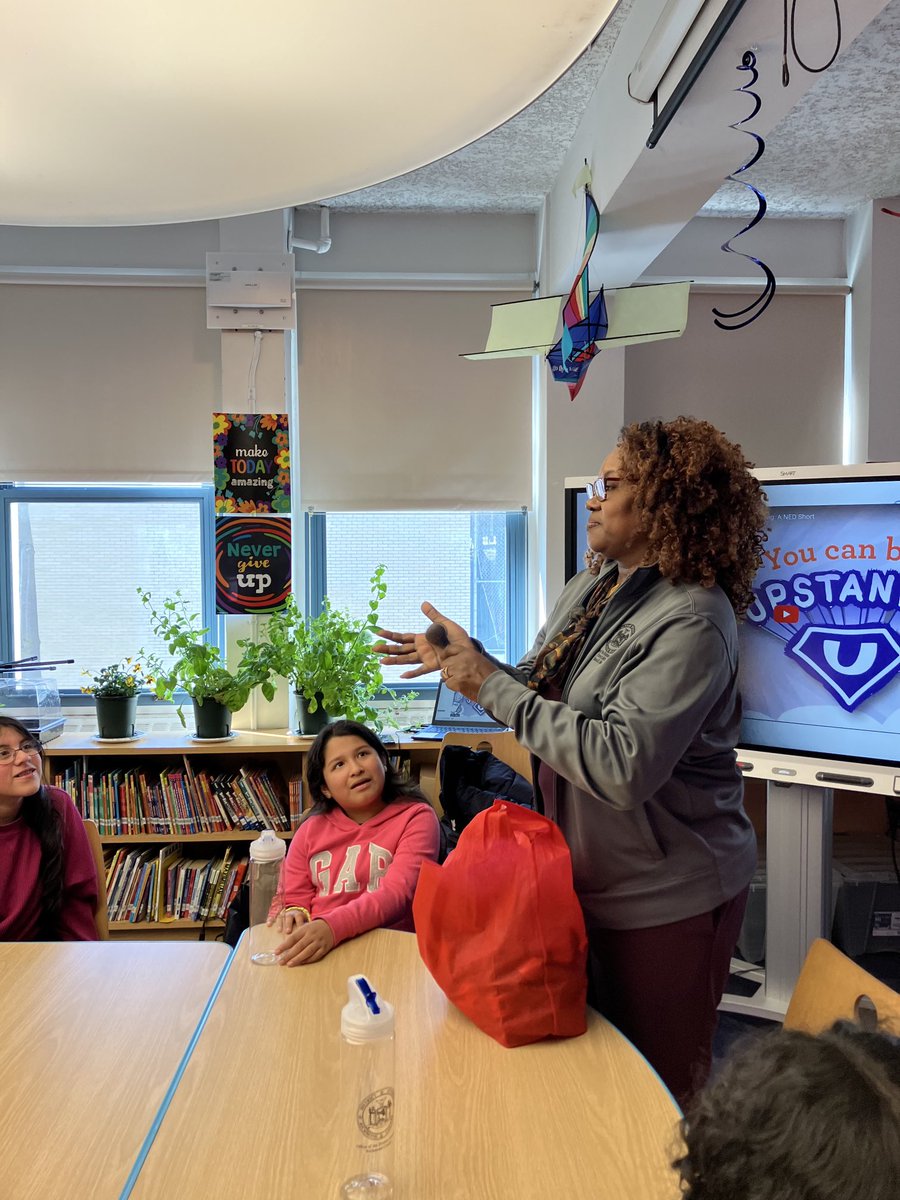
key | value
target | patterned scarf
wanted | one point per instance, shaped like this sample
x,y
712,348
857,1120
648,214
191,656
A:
x,y
555,658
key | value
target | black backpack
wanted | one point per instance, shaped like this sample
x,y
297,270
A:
x,y
238,916
471,780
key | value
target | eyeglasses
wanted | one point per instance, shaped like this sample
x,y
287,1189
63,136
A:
x,y
8,753
597,489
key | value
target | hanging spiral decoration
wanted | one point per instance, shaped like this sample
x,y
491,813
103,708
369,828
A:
x,y
758,306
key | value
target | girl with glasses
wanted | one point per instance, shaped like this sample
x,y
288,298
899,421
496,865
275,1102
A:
x,y
48,882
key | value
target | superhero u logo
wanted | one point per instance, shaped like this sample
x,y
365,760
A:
x,y
852,662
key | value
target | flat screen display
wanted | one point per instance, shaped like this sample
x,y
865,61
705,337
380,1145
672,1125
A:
x,y
820,648
576,523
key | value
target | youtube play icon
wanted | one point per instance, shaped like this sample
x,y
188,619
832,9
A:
x,y
786,614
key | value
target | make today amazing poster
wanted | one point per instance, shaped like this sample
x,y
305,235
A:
x,y
251,463
253,564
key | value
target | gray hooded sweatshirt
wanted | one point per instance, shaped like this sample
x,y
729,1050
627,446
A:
x,y
648,793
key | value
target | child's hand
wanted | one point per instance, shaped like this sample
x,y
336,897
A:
x,y
306,944
290,919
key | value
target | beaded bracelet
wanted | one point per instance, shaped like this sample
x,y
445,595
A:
x,y
299,908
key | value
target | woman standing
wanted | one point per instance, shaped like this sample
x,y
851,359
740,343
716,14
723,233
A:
x,y
628,702
48,881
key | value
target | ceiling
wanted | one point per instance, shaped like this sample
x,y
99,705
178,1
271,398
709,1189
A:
x,y
132,114
836,149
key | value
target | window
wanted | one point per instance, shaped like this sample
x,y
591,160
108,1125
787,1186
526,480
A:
x,y
72,559
470,565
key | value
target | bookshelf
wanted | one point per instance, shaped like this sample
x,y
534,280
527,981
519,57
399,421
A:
x,y
176,817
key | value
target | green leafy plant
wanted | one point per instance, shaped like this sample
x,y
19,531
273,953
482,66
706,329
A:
x,y
198,667
126,678
328,659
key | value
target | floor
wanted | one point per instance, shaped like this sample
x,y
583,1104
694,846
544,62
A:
x,y
733,1028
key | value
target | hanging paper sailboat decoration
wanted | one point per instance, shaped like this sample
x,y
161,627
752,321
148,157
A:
x,y
611,317
644,313
585,321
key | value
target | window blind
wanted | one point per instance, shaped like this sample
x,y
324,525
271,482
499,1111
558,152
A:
x,y
102,384
392,418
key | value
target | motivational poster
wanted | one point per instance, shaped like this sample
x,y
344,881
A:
x,y
251,463
253,564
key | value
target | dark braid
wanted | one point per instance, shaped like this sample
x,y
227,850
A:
x,y
40,815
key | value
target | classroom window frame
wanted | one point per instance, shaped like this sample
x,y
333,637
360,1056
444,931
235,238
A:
x,y
516,522
201,495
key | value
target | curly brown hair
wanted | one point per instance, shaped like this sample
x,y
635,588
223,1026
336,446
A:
x,y
702,510
791,1116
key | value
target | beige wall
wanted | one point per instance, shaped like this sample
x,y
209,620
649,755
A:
x,y
776,386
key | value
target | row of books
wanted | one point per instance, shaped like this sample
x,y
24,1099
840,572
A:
x,y
166,885
177,800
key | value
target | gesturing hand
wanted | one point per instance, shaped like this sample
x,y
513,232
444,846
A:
x,y
409,649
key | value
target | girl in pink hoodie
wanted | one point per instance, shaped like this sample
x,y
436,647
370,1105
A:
x,y
354,861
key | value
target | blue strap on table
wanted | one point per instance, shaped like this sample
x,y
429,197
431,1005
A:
x,y
176,1079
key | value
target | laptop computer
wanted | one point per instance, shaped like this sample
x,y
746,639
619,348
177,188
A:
x,y
453,713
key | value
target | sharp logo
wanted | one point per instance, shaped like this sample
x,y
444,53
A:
x,y
852,662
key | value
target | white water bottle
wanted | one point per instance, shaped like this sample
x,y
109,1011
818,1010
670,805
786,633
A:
x,y
367,1091
266,859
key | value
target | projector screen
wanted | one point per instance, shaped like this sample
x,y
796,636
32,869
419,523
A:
x,y
820,646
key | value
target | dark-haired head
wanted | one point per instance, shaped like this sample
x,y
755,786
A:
x,y
394,787
39,814
792,1116
701,509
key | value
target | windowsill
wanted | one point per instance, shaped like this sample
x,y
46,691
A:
x,y
162,718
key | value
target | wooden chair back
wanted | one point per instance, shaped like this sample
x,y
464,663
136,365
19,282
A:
x,y
101,915
832,987
502,745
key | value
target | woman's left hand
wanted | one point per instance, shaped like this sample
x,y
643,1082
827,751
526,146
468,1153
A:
x,y
307,944
464,670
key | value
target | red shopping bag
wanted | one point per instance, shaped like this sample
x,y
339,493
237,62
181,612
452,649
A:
x,y
500,928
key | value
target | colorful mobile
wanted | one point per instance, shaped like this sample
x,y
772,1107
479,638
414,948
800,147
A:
x,y
758,306
584,320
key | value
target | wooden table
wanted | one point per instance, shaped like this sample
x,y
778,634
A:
x,y
91,1036
254,1114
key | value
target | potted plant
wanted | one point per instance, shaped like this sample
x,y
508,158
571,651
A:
x,y
115,690
327,660
198,667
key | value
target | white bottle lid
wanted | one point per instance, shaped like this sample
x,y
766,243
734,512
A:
x,y
268,847
365,1016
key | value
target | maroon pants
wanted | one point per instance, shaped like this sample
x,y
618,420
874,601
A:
x,y
661,987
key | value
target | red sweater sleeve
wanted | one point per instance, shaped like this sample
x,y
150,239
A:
x,y
296,882
391,904
79,900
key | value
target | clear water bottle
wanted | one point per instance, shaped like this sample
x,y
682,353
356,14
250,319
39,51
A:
x,y
367,1091
266,859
